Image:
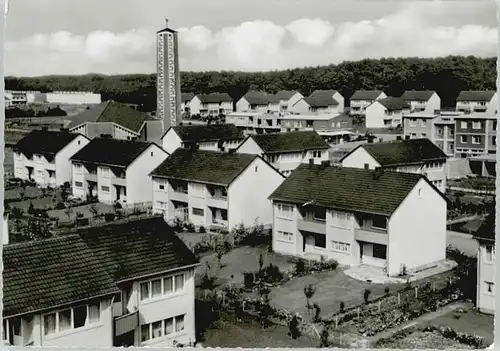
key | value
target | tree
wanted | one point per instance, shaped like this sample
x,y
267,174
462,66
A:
x,y
324,341
93,209
69,212
309,291
293,328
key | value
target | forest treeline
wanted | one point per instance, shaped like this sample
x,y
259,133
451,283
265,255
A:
x,y
446,75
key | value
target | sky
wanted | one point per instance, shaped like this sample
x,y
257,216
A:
x,y
119,36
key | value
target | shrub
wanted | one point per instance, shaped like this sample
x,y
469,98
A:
x,y
117,205
202,229
207,281
386,290
248,279
317,312
31,209
300,266
82,221
109,217
79,215
342,306
60,205
270,274
309,291
366,295
189,227
293,328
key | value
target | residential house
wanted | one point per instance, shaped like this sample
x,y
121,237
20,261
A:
x,y
128,283
286,151
420,156
254,101
361,99
110,118
213,104
385,113
214,189
333,127
485,299
281,101
421,101
116,170
392,220
151,131
474,101
320,102
255,122
216,137
44,156
185,101
475,135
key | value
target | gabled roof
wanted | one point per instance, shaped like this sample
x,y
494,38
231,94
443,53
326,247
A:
x,y
214,98
210,132
402,152
349,189
392,103
111,112
289,141
412,95
88,263
44,142
283,95
366,95
486,231
203,166
112,152
187,96
258,98
476,95
322,98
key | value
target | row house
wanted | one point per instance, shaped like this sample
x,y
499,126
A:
x,y
361,99
186,101
43,156
320,102
419,156
287,150
116,171
473,101
255,122
281,102
385,113
475,135
421,101
215,137
213,104
254,101
109,118
485,300
391,220
129,283
334,128
214,189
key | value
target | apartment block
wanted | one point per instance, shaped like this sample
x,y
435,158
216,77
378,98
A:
x,y
213,104
477,102
361,99
254,101
255,122
475,135
421,101
281,102
385,113
320,102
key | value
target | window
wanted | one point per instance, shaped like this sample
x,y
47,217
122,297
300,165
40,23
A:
x,y
161,186
463,125
380,251
367,166
156,290
320,240
78,169
490,253
413,122
319,214
476,125
179,323
463,139
197,189
285,236
151,153
423,123
162,328
169,326
157,332
476,139
316,153
15,324
490,287
439,131
285,211
161,287
494,125
49,323
424,135
419,192
379,222
179,282
78,184
340,246
168,285
105,189
198,212
79,316
65,320
145,291
71,318
256,168
145,332
494,141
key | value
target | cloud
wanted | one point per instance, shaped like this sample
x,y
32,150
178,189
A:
x,y
256,45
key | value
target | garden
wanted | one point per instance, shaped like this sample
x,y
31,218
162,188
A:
x,y
463,206
486,184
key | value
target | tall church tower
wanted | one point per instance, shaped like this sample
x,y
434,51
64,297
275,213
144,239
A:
x,y
168,78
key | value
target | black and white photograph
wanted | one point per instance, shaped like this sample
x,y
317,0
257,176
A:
x,y
249,174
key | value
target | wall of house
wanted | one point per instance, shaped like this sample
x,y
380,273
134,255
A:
x,y
486,273
434,103
242,105
375,114
123,133
249,146
231,144
171,305
358,158
300,107
492,106
82,129
78,177
340,99
289,225
20,164
171,141
139,183
62,159
248,204
195,105
104,179
416,127
209,145
417,230
95,130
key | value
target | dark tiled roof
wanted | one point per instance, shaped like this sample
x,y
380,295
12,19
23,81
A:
x,y
349,189
214,98
322,98
290,141
47,273
258,98
487,229
110,151
283,95
204,166
132,249
111,111
366,95
187,96
196,133
404,152
46,143
393,103
412,95
476,95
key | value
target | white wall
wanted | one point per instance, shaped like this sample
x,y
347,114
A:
x,y
417,230
249,146
62,159
300,107
375,114
340,99
486,273
195,105
139,183
242,105
73,97
123,133
358,158
171,141
248,203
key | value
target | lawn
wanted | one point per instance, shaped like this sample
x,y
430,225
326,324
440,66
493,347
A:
x,y
473,183
423,340
85,210
29,192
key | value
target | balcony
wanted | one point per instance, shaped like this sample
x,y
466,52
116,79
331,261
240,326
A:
x,y
311,225
217,201
91,177
480,108
119,181
371,235
419,106
126,323
178,194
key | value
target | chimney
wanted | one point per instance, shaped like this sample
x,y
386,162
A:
x,y
311,161
378,173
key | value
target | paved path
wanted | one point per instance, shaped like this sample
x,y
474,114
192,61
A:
x,y
422,319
